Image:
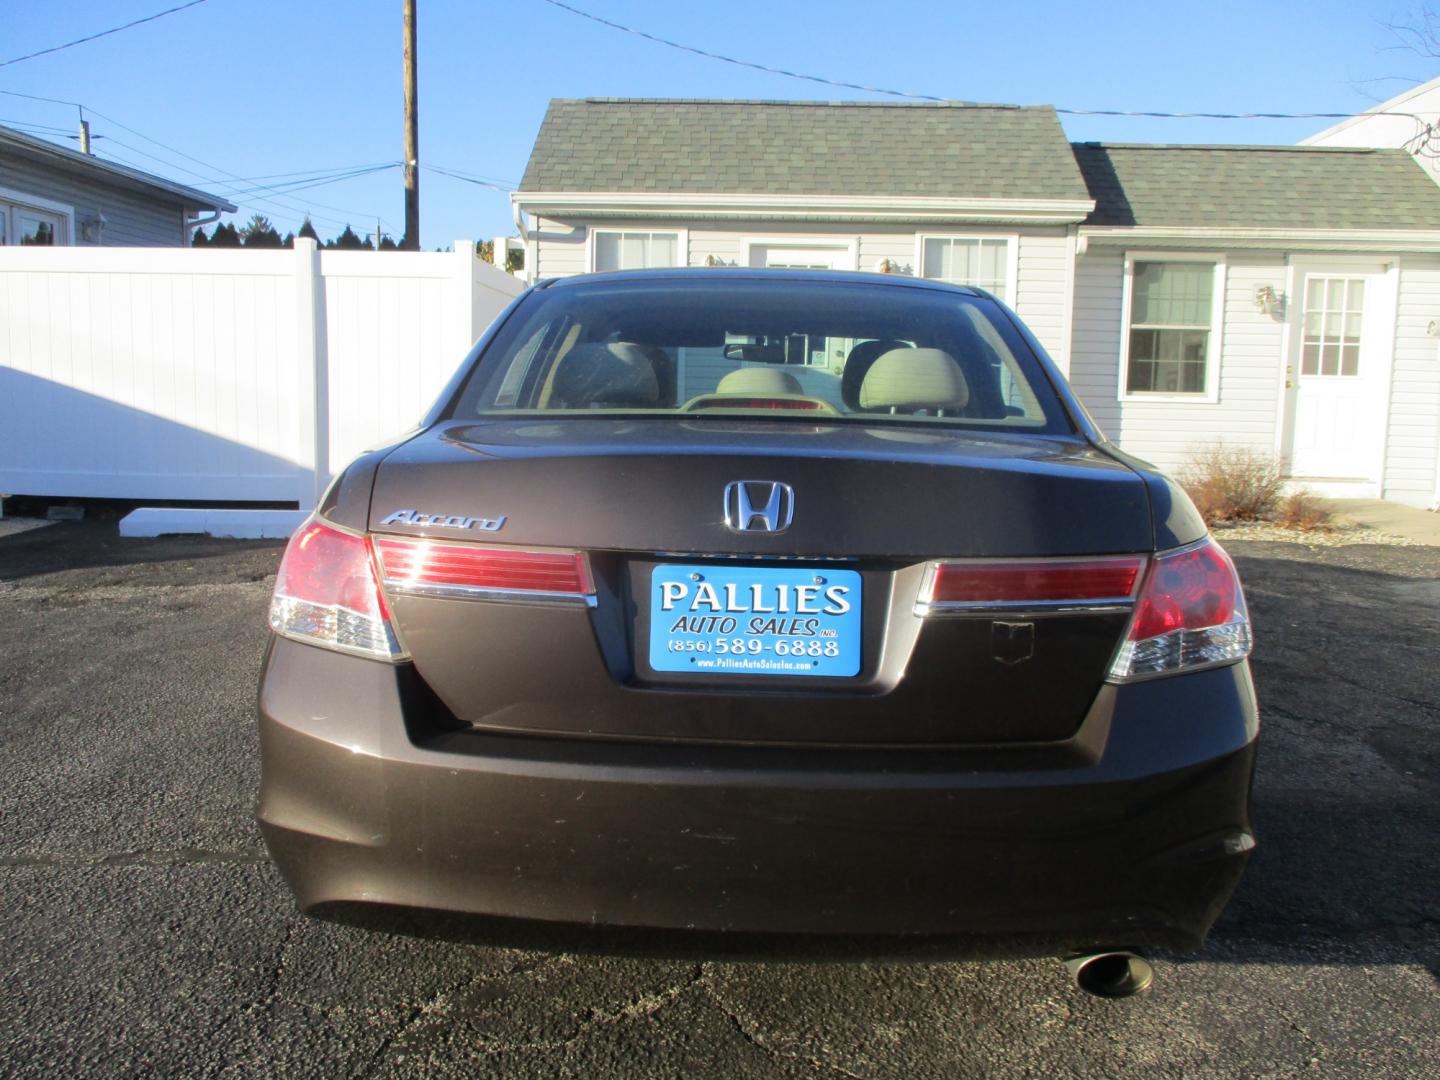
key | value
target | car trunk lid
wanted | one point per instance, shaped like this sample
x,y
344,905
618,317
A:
x,y
644,500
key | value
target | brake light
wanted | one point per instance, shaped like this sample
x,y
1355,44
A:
x,y
1191,614
328,594
770,404
1035,581
413,565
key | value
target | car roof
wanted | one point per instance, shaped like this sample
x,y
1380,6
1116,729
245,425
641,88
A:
x,y
716,274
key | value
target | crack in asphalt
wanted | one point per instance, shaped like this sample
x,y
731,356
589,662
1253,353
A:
x,y
421,1009
751,1035
1338,676
177,857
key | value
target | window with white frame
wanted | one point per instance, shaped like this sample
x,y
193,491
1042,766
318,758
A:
x,y
31,226
983,261
615,250
1172,327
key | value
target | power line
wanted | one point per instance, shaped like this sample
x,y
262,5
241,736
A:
x,y
292,208
297,172
37,97
733,60
289,207
102,33
467,179
930,97
468,174
301,185
37,127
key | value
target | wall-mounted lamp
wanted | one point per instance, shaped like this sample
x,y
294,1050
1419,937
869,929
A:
x,y
92,227
1267,300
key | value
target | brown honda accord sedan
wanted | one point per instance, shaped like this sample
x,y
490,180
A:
x,y
765,601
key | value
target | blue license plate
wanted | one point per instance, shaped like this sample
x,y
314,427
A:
x,y
733,620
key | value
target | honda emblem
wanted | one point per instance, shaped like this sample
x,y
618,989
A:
x,y
759,506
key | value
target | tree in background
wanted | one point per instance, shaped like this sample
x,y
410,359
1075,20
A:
x,y
346,241
225,236
259,233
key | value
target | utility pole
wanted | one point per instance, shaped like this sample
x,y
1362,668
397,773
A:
x,y
84,131
411,239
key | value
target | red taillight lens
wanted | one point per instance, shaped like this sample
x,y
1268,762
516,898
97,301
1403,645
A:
x,y
419,564
1188,591
1038,581
1191,614
327,593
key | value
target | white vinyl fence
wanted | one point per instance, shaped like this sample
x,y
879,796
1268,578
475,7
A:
x,y
240,375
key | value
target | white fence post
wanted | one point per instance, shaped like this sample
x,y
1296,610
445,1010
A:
x,y
313,375
465,296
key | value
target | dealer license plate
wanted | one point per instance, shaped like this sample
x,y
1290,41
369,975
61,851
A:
x,y
722,620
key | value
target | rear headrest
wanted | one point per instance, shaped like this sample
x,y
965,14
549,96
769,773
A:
x,y
759,381
914,379
618,375
857,366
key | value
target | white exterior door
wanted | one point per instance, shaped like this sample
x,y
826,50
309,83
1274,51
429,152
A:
x,y
1337,373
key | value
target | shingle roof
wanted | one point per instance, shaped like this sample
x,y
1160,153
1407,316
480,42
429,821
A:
x,y
1257,187
802,148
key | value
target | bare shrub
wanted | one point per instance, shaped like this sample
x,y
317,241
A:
x,y
1232,483
1302,510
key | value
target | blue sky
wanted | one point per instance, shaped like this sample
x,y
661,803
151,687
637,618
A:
x,y
255,88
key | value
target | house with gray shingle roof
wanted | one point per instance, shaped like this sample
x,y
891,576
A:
x,y
1283,298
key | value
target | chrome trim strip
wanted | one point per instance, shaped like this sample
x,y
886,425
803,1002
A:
x,y
490,596
1035,609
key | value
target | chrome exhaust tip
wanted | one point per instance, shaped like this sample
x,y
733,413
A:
x,y
1115,973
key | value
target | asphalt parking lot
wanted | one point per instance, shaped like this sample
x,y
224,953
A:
x,y
144,932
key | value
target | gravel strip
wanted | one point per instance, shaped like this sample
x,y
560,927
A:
x,y
1336,536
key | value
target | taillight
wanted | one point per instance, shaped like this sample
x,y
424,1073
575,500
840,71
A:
x,y
1032,582
328,594
484,573
1191,614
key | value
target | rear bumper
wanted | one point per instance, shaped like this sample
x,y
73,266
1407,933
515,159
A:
x,y
1135,832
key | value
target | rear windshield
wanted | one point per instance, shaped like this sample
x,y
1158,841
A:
x,y
761,347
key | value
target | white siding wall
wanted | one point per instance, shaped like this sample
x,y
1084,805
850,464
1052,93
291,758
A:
x,y
1041,289
1095,336
1413,435
561,250
131,219
1167,432
1041,258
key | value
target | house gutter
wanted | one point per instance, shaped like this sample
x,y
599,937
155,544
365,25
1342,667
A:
x,y
201,222
723,205
1382,240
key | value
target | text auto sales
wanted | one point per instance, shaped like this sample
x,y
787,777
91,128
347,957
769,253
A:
x,y
784,617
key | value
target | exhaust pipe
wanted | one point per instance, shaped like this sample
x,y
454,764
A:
x,y
1115,973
